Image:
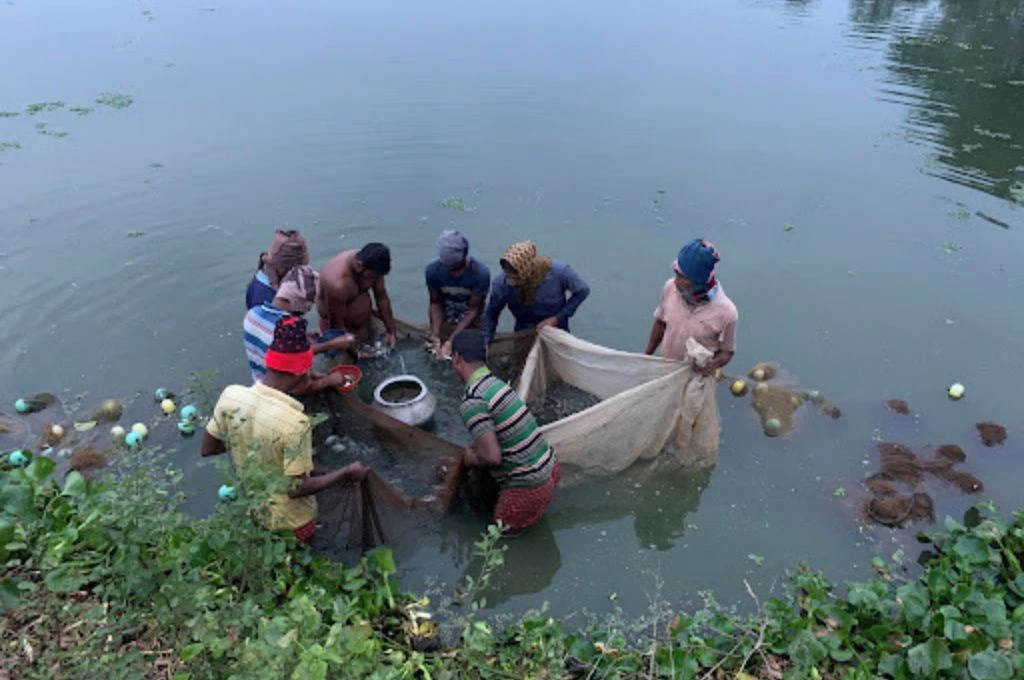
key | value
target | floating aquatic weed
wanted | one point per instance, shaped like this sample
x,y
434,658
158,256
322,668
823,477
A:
x,y
80,110
788,226
839,492
114,100
970,148
453,203
951,452
985,132
960,214
898,406
756,559
156,165
33,109
9,114
42,129
950,247
991,433
135,234
9,146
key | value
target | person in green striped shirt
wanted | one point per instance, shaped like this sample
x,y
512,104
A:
x,y
506,437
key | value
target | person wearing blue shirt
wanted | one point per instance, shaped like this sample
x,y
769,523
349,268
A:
x,y
537,290
458,285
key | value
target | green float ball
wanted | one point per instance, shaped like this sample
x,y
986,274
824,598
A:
x,y
186,428
17,458
21,406
133,439
189,412
772,427
227,493
161,394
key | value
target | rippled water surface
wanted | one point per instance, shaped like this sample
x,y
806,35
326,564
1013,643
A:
x,y
858,164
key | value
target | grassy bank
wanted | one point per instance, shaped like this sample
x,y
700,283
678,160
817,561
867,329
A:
x,y
108,578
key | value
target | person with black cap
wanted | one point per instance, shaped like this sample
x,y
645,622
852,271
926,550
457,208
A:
x,y
262,426
458,286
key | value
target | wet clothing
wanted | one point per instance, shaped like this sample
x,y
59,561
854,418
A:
x,y
259,290
304,534
559,295
265,427
712,324
519,509
258,333
490,405
456,291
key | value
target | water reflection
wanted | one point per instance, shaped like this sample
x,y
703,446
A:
x,y
959,70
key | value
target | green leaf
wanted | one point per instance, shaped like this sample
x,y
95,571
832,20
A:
x,y
928,658
189,652
63,580
972,548
10,595
385,560
990,665
806,651
86,426
40,468
74,484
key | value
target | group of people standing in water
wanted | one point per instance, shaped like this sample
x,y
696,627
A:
x,y
265,424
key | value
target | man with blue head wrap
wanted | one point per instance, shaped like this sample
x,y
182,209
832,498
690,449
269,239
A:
x,y
458,286
693,305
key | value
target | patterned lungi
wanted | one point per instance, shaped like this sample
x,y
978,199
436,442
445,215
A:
x,y
521,508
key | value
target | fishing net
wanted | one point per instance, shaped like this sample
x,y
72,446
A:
x,y
644,405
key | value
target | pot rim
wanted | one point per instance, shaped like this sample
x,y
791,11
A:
x,y
407,377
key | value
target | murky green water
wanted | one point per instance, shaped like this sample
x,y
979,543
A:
x,y
886,134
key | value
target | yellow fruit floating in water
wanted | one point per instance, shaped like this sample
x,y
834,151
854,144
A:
x,y
956,390
739,387
167,406
141,430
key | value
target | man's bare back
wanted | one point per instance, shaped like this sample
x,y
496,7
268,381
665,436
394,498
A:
x,y
345,301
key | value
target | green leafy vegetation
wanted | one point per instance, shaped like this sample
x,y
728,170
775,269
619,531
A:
x,y
453,203
80,110
114,100
9,146
108,578
9,114
33,109
43,129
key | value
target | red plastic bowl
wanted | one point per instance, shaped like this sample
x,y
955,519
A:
x,y
352,373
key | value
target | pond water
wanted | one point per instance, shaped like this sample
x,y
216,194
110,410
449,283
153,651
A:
x,y
858,164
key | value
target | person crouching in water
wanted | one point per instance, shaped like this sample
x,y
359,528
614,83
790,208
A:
x,y
287,250
264,427
294,297
537,290
458,286
506,438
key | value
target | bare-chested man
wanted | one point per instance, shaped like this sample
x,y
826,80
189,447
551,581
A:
x,y
345,285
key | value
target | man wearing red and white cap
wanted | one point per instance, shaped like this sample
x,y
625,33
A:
x,y
268,430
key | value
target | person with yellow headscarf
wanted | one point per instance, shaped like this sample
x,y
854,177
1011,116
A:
x,y
537,290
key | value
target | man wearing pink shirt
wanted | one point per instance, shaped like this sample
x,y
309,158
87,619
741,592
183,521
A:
x,y
693,305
